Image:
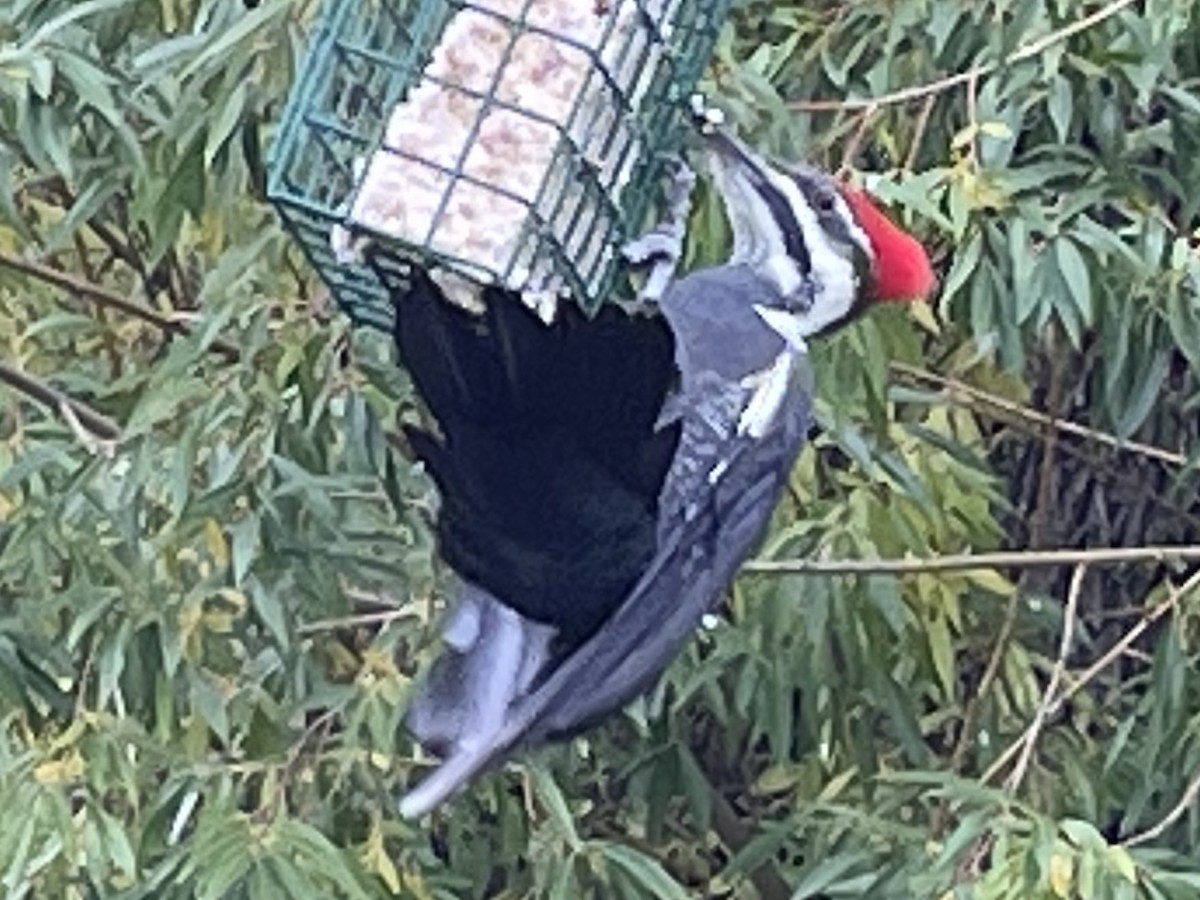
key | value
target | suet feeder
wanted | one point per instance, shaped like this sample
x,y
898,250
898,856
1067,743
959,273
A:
x,y
511,142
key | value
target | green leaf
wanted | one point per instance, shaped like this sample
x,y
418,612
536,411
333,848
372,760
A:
x,y
826,874
209,703
645,871
941,651
119,849
1149,388
183,194
41,75
1075,274
216,51
551,796
1060,104
225,126
271,610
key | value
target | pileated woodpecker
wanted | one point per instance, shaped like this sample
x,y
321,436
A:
x,y
603,478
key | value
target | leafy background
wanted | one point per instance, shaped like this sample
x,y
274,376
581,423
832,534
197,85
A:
x,y
216,575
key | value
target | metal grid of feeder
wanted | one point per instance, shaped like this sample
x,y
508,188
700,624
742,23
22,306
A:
x,y
518,142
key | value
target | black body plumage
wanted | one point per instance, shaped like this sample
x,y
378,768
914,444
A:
x,y
576,494
548,462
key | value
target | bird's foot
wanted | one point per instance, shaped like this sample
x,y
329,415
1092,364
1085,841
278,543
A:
x,y
661,248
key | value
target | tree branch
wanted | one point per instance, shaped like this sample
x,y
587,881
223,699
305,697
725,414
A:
x,y
736,835
74,412
1016,559
1089,674
104,297
956,390
1017,774
1155,831
918,92
362,620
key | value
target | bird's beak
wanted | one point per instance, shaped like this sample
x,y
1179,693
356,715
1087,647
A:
x,y
730,156
760,215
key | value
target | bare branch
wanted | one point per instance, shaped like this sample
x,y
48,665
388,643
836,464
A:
x,y
1089,674
361,620
76,413
1017,774
1186,799
919,92
966,562
959,391
102,296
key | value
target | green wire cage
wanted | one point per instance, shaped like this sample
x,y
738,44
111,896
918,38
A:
x,y
518,142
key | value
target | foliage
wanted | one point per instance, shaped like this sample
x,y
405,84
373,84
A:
x,y
188,711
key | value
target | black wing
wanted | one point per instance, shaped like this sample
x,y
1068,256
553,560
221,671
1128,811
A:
x,y
548,461
698,555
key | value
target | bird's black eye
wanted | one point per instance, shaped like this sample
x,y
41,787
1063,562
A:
x,y
826,202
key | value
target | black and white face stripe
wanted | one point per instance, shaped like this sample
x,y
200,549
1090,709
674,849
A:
x,y
777,203
821,193
793,227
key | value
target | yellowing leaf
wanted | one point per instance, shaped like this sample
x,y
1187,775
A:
x,y
189,618
415,885
380,760
998,130
219,622
991,580
1062,874
60,771
1123,863
964,137
776,779
378,663
235,598
985,193
376,859
215,538
834,786
922,313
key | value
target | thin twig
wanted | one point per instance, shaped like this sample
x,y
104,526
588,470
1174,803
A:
x,y
102,296
1015,559
917,92
736,835
1186,799
956,390
362,598
914,147
1017,775
358,621
974,707
66,407
92,444
1089,674
855,142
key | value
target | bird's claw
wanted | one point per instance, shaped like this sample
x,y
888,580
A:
x,y
656,244
661,248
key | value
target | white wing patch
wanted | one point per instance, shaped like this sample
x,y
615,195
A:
x,y
770,388
787,325
715,473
